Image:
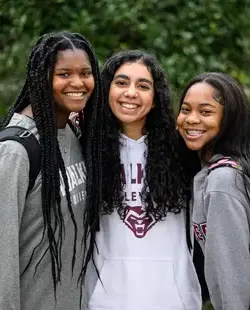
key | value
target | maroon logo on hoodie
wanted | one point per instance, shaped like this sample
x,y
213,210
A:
x,y
138,221
200,231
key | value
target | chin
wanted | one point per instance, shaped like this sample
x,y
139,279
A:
x,y
129,119
193,147
78,108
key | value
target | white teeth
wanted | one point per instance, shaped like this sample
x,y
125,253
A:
x,y
129,105
195,132
80,94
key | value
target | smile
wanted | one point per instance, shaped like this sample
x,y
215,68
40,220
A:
x,y
130,106
195,132
75,94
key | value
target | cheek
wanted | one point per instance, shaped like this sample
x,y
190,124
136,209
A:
x,y
180,120
216,124
216,129
57,85
113,96
149,102
112,101
220,121
220,117
179,123
91,83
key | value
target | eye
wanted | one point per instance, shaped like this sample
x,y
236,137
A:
x,y
206,112
121,83
184,109
63,74
87,73
144,87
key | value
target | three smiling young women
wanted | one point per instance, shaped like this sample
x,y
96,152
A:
x,y
127,218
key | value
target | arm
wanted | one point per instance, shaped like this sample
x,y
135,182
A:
x,y
227,257
14,180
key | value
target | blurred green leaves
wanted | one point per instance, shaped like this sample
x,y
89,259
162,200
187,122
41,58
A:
x,y
187,36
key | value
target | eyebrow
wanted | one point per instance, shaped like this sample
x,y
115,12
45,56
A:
x,y
69,69
204,104
124,76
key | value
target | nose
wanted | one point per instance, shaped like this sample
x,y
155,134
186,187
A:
x,y
131,92
193,118
76,81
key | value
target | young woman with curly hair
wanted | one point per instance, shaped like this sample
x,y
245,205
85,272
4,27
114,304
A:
x,y
142,255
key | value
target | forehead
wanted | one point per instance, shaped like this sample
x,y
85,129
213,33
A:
x,y
200,93
72,57
134,70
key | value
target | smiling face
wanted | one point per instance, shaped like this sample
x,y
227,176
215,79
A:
x,y
73,82
200,116
131,95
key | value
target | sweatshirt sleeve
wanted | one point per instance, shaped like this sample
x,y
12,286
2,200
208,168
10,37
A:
x,y
14,179
227,257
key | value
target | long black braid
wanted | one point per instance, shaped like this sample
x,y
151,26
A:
x,y
164,187
38,92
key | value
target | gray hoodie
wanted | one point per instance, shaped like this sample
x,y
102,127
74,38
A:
x,y
21,228
221,221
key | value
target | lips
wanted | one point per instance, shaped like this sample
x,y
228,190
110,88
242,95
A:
x,y
75,95
195,132
129,105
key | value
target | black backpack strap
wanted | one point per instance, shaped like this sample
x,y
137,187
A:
x,y
31,144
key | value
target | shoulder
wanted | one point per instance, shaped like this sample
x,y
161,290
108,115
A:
x,y
222,175
11,149
226,180
14,164
15,148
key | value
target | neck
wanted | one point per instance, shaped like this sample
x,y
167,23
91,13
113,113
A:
x,y
205,158
61,122
61,119
133,131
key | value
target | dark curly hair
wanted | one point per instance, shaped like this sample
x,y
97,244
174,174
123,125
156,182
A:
x,y
163,173
38,92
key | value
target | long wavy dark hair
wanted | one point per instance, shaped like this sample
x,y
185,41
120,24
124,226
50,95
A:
x,y
234,137
163,174
38,92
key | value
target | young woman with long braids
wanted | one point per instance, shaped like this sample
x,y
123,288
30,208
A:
x,y
214,127
142,254
42,260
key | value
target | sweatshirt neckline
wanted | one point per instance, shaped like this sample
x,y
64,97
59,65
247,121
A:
x,y
125,139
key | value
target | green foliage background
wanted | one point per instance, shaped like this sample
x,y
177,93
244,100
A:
x,y
187,36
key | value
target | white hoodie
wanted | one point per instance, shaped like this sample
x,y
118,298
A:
x,y
143,264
